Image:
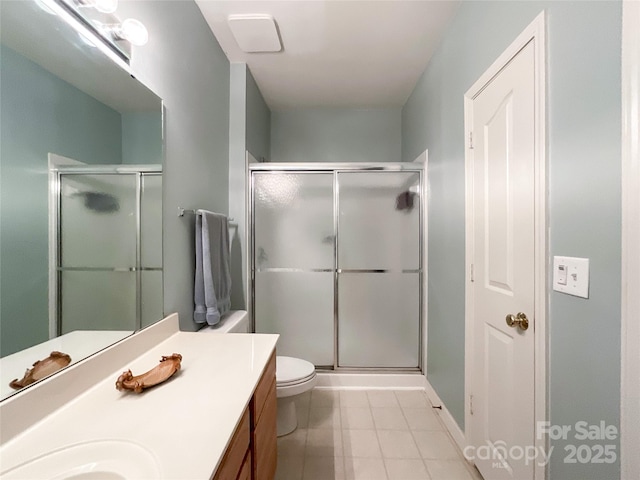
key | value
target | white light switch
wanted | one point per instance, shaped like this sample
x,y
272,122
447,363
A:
x,y
562,274
571,276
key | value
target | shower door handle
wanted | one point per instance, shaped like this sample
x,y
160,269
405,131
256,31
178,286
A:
x,y
519,320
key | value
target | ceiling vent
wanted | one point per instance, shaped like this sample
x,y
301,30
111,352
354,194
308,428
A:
x,y
256,33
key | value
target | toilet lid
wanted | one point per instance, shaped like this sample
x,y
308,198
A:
x,y
293,370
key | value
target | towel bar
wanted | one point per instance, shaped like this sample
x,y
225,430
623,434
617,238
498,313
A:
x,y
182,211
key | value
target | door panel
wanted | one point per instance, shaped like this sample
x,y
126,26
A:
x,y
379,220
151,221
378,265
379,320
99,300
98,220
501,399
498,243
298,306
502,186
293,215
293,262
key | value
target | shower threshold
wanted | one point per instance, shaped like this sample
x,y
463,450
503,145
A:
x,y
378,380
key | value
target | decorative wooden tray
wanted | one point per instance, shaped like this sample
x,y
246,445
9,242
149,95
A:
x,y
42,368
158,374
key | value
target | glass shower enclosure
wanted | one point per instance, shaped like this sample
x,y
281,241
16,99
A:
x,y
336,264
109,247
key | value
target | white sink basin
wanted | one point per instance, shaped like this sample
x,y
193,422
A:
x,y
101,459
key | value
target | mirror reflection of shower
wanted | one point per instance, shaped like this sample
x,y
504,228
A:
x,y
100,202
108,222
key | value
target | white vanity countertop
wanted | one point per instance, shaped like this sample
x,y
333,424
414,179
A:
x,y
186,423
79,344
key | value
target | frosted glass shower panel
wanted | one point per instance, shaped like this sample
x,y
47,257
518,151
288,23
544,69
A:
x,y
98,220
151,221
151,296
293,215
298,306
379,220
98,301
378,320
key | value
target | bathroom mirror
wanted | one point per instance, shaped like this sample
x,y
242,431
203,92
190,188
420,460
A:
x,y
81,179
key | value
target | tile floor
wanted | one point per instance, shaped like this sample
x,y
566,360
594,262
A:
x,y
369,435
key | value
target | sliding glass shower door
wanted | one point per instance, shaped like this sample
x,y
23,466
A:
x,y
293,264
336,263
378,269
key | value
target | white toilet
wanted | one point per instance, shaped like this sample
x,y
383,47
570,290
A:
x,y
294,376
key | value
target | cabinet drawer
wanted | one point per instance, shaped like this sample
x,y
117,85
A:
x,y
264,438
234,457
263,389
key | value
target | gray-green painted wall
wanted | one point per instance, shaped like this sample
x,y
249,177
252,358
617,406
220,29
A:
x,y
39,114
336,135
584,111
185,66
249,129
142,138
237,202
258,121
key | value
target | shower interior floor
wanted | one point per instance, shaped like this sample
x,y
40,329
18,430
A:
x,y
369,435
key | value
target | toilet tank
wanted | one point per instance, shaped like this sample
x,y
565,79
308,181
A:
x,y
235,321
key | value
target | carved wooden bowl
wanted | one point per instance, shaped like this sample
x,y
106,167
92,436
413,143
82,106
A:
x,y
158,374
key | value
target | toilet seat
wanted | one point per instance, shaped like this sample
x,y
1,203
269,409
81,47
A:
x,y
294,376
292,371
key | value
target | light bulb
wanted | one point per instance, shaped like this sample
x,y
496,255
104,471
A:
x,y
134,31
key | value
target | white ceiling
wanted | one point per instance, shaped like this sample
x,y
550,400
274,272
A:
x,y
337,53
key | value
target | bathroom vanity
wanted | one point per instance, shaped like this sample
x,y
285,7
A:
x,y
215,418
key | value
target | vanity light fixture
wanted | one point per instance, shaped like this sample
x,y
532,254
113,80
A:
x,y
130,29
104,6
100,27
88,31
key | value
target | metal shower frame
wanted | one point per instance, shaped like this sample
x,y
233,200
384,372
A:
x,y
337,168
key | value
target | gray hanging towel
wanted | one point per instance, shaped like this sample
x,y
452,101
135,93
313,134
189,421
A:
x,y
212,289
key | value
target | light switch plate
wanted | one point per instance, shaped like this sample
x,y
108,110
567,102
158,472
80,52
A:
x,y
571,276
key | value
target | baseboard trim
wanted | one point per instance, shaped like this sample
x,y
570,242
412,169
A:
x,y
451,425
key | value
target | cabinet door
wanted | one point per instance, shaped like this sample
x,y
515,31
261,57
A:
x,y
232,463
264,439
264,424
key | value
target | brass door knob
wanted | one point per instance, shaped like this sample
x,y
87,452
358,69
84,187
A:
x,y
520,320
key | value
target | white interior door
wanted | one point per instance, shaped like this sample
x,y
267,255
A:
x,y
502,203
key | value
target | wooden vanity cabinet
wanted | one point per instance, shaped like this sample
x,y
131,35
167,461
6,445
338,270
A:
x,y
263,409
235,457
252,453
